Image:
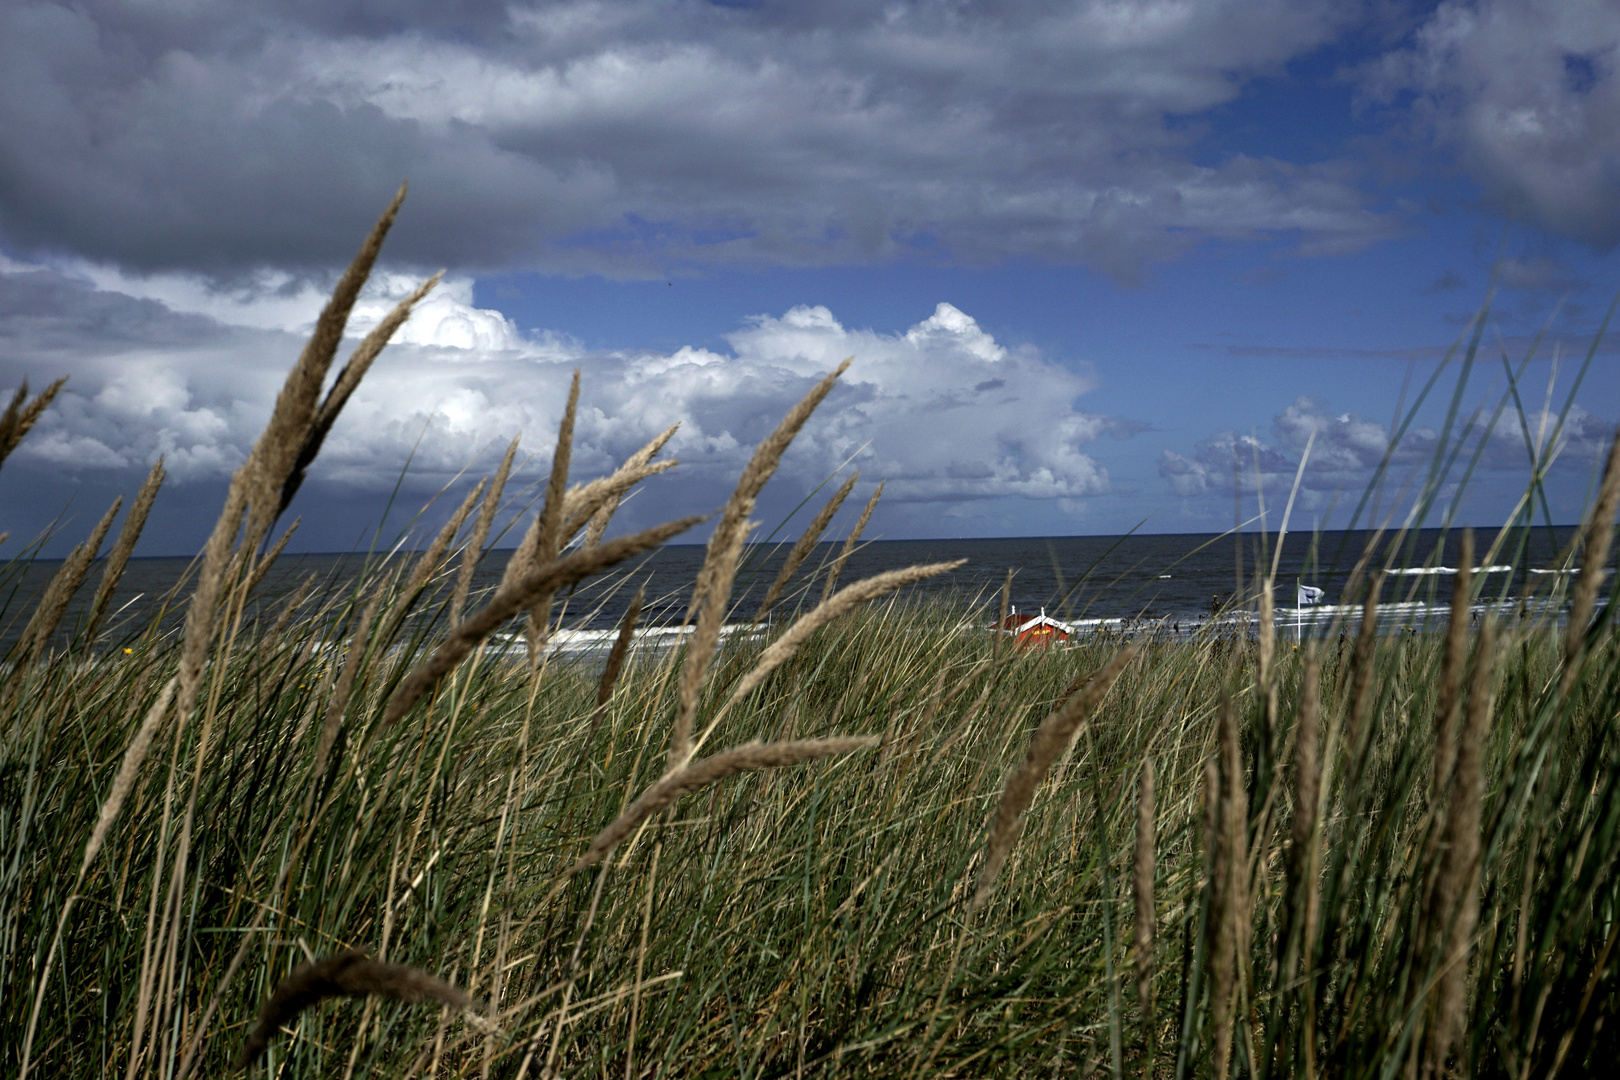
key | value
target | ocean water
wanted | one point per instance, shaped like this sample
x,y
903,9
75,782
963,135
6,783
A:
x,y
1174,582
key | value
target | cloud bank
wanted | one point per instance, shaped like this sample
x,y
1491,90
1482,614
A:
x,y
942,412
627,137
1525,92
619,137
1346,451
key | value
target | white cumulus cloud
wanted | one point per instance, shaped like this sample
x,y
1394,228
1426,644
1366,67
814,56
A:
x,y
942,412
1346,451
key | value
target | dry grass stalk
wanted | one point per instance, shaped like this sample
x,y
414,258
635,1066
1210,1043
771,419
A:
x,y
339,701
1454,910
1051,739
21,414
348,380
641,957
1302,849
596,524
514,598
1076,684
1142,893
255,487
1306,851
64,583
1268,665
1599,534
1452,664
261,567
346,974
480,534
522,559
1229,892
268,642
549,540
282,446
1209,794
433,557
621,649
123,547
297,426
252,503
1001,619
555,508
803,546
203,611
1365,656
585,501
580,504
844,601
712,591
749,757
719,568
128,770
221,563
850,541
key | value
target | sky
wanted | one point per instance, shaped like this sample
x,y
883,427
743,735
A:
x,y
1085,255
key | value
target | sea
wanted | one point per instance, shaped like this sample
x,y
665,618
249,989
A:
x,y
1166,585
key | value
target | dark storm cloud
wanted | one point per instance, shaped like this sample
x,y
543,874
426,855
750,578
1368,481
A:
x,y
614,137
46,315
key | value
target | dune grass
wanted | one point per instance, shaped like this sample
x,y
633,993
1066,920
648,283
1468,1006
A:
x,y
347,838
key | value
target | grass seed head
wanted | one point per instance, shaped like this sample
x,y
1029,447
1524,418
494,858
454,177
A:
x,y
596,526
850,541
1047,745
480,534
805,544
621,649
123,547
1452,663
21,414
346,974
1598,536
750,757
841,603
64,583
712,593
515,597
343,388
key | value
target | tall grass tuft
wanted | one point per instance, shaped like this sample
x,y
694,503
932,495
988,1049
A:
x,y
118,558
1051,739
262,839
803,546
711,594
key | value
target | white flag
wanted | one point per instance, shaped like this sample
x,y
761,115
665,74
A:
x,y
1310,594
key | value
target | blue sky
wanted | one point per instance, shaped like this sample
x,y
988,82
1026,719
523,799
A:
x,y
1079,251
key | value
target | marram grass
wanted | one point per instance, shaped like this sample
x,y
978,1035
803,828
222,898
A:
x,y
814,918
349,839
